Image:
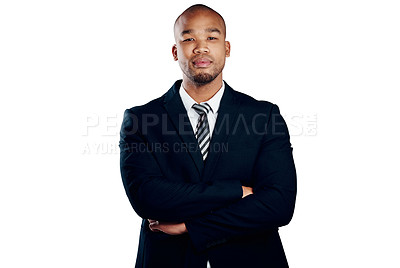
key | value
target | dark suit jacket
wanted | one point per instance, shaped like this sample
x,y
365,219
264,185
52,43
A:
x,y
166,179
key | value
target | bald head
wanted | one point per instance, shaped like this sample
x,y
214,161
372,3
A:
x,y
200,46
195,9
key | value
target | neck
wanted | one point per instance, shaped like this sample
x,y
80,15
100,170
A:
x,y
204,92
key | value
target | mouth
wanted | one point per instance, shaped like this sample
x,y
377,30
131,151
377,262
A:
x,y
202,62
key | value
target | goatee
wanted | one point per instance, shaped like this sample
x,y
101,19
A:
x,y
203,78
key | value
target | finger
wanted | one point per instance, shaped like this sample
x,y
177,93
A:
x,y
154,224
153,228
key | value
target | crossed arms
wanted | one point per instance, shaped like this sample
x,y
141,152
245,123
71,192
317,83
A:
x,y
212,212
173,228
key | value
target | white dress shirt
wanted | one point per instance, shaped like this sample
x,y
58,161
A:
x,y
194,116
214,103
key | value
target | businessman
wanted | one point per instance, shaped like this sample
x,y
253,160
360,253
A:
x,y
208,169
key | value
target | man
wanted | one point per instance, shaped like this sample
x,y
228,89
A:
x,y
210,170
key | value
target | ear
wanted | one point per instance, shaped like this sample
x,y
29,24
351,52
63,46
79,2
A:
x,y
175,52
227,49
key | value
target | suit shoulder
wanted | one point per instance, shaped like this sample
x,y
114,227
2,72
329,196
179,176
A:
x,y
156,106
133,116
153,106
250,102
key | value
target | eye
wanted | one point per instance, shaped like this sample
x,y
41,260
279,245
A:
x,y
212,38
188,40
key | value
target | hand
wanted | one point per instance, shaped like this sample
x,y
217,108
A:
x,y
171,228
247,191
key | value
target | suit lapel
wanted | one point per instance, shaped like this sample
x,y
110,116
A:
x,y
227,114
178,115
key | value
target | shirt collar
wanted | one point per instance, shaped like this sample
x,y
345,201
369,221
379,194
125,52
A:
x,y
214,102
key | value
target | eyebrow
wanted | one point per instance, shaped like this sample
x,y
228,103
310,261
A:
x,y
210,30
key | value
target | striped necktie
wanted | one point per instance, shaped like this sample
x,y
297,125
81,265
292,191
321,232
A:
x,y
202,128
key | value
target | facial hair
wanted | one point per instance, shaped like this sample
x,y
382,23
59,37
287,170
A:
x,y
202,78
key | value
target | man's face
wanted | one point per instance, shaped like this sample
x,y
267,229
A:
x,y
200,46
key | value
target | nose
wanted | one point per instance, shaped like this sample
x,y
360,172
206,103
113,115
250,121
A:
x,y
201,47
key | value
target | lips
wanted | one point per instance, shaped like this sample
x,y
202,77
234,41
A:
x,y
202,62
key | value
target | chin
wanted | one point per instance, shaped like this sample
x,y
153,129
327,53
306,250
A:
x,y
203,78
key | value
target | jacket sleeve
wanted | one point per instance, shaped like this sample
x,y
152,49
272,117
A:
x,y
271,205
154,196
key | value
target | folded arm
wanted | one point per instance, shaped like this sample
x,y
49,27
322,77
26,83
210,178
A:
x,y
155,197
271,205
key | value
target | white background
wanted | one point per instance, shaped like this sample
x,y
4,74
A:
x,y
332,67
